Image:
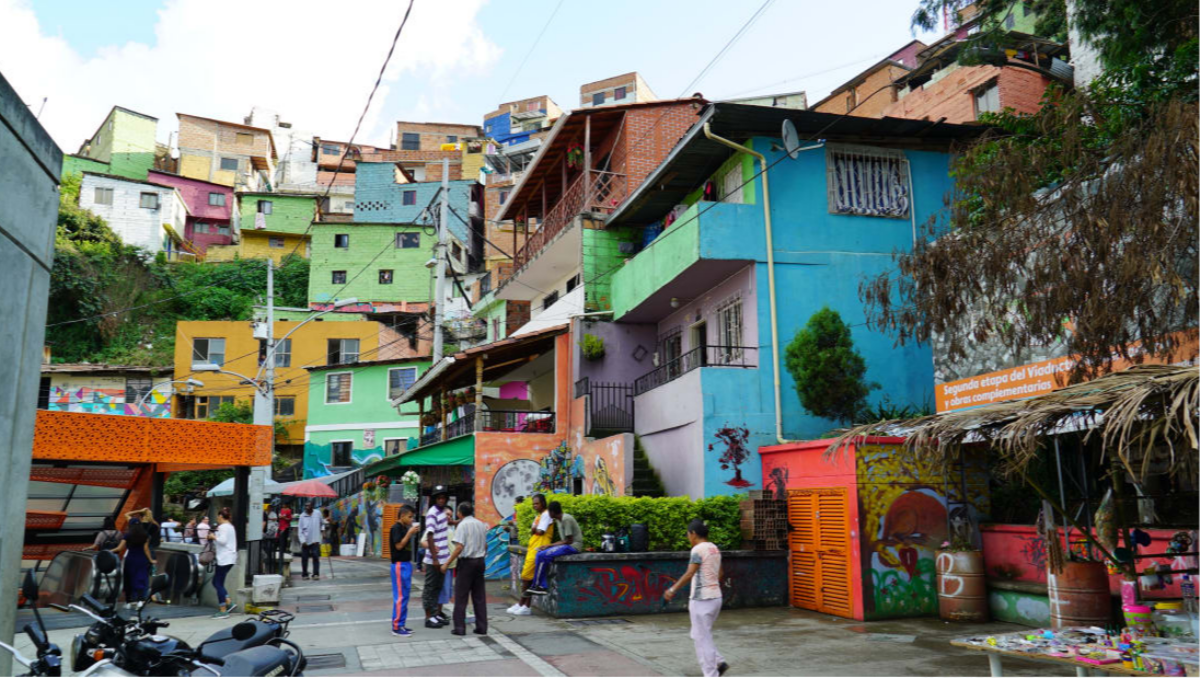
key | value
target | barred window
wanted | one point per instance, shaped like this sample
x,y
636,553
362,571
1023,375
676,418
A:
x,y
867,181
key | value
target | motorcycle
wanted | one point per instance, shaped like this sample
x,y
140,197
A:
x,y
49,656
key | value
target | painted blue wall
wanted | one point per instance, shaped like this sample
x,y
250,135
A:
x,y
379,199
735,398
499,129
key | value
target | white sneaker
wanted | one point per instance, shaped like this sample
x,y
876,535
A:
x,y
514,608
523,611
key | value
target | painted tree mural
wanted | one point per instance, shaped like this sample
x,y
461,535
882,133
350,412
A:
x,y
736,453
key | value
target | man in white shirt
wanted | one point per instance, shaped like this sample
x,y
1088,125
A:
x,y
469,551
310,541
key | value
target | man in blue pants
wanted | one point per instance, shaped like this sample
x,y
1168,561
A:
x,y
570,542
401,537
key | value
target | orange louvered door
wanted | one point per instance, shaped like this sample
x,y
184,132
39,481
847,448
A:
x,y
820,545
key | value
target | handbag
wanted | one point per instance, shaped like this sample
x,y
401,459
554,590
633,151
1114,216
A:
x,y
208,554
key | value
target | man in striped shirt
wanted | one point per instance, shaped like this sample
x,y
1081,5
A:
x,y
437,549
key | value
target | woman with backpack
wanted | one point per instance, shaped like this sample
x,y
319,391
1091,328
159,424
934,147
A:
x,y
108,538
136,548
224,538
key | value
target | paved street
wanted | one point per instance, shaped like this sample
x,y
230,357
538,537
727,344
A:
x,y
342,624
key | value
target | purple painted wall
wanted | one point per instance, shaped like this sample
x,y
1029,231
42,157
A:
x,y
195,196
704,307
671,424
514,390
621,341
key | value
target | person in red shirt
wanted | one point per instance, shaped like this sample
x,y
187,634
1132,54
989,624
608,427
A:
x,y
285,529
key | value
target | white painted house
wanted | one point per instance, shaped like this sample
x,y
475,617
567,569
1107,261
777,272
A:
x,y
147,215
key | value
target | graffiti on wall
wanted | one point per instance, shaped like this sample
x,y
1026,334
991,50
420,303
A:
x,y
625,585
318,459
734,452
360,513
515,479
602,482
559,470
107,401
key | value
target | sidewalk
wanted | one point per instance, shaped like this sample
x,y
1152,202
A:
x,y
343,624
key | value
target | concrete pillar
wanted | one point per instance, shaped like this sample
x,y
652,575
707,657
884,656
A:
x,y
28,214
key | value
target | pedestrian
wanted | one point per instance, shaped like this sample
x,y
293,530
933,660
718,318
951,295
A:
x,y
135,545
189,531
225,537
310,541
402,539
436,550
285,529
470,554
570,542
203,529
153,530
108,538
704,604
540,535
170,529
450,569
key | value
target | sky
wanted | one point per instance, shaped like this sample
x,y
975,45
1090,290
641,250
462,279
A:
x,y
314,62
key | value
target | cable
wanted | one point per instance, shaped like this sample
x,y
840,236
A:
x,y
736,36
531,48
806,75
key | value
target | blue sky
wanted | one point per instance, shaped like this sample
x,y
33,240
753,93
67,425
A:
x,y
452,64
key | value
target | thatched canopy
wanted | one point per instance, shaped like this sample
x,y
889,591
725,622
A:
x,y
1142,415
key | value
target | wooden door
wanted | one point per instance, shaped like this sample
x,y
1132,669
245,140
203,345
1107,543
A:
x,y
820,544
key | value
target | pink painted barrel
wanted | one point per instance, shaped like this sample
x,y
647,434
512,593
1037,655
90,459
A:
x,y
1079,596
962,586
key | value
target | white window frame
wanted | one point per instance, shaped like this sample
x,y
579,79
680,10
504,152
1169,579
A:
x,y
350,389
416,375
155,198
208,351
722,319
992,88
399,448
102,191
868,181
333,458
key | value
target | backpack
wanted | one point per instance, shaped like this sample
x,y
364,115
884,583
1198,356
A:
x,y
208,554
112,539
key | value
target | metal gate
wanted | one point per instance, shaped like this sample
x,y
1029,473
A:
x,y
610,406
820,544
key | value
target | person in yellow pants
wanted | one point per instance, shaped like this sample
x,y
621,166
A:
x,y
540,536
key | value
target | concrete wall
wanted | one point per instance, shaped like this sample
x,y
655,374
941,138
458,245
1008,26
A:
x,y
29,181
261,245
289,213
669,421
137,225
621,342
203,142
124,142
379,199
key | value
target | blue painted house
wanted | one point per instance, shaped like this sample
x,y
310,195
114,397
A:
x,y
382,195
516,122
695,301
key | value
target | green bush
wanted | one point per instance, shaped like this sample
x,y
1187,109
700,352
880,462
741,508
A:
x,y
667,518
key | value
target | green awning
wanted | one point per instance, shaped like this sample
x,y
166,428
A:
x,y
456,452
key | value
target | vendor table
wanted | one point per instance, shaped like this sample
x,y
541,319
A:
x,y
995,654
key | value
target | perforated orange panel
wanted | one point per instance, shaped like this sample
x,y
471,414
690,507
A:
x,y
46,551
44,520
97,477
76,436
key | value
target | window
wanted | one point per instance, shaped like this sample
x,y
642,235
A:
x,y
223,229
549,299
208,352
285,406
149,201
229,164
265,206
338,278
216,199
400,379
532,106
1010,21
330,149
245,139
201,227
43,400
410,141
136,389
337,387
456,251
392,446
598,99
503,197
619,93
731,184
104,196
207,406
779,101
987,99
283,352
341,453
342,351
341,241
408,198
451,139
867,181
275,242
574,282
729,331
407,241
385,276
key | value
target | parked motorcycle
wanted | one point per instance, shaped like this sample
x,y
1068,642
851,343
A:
x,y
49,656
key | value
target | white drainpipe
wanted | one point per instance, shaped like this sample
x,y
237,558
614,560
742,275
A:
x,y
762,160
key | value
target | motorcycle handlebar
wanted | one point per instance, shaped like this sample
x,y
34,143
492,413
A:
x,y
21,659
89,613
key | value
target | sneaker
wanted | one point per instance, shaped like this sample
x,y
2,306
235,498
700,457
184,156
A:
x,y
514,608
433,624
536,591
722,668
315,577
305,577
221,614
441,617
402,631
523,611
231,608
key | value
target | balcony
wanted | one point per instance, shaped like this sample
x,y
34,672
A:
x,y
610,407
592,191
703,356
493,421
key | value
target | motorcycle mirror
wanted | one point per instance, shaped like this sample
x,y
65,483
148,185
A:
x,y
244,631
30,588
39,639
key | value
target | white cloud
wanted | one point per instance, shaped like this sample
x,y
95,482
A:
x,y
312,62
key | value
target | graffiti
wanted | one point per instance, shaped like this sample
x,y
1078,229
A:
x,y
558,471
626,585
515,479
736,453
898,596
779,480
496,564
601,481
107,401
1034,551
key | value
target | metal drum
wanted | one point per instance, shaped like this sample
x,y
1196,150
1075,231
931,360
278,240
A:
x,y
962,586
1079,596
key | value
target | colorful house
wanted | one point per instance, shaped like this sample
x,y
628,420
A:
x,y
124,145
106,389
696,304
345,432
270,225
516,122
143,213
209,206
381,265
226,153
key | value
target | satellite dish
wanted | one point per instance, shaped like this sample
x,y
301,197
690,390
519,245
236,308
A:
x,y
791,140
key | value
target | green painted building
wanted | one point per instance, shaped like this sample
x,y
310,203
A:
x,y
276,212
123,145
351,421
374,263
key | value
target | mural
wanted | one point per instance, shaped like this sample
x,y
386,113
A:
x,y
317,458
735,454
107,401
602,482
778,481
517,478
558,471
361,513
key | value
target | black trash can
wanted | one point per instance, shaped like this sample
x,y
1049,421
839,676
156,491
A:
x,y
639,538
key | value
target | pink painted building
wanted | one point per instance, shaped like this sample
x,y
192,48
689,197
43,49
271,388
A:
x,y
210,209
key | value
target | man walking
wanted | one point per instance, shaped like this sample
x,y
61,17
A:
x,y
310,541
436,550
540,534
470,553
570,542
704,572
402,540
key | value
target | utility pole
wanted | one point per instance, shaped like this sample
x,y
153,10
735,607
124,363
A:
x,y
264,413
439,293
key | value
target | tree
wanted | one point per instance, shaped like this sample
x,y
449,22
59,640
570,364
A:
x,y
736,452
828,371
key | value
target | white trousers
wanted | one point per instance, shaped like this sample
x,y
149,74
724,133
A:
x,y
704,615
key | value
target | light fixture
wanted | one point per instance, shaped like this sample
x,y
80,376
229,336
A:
x,y
431,263
674,302
345,302
195,383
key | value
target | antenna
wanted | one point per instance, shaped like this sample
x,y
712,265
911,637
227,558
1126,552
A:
x,y
791,140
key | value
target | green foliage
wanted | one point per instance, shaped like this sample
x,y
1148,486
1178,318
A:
x,y
886,410
666,517
828,371
593,347
183,482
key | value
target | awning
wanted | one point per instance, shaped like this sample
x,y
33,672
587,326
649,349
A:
x,y
456,452
225,488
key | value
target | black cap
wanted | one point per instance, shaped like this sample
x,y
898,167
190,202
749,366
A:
x,y
440,490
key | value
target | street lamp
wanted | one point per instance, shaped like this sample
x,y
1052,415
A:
x,y
269,360
194,383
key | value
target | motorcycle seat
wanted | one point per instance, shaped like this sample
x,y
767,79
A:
x,y
224,642
266,660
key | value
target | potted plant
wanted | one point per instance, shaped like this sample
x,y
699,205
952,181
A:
x,y
410,480
592,347
961,581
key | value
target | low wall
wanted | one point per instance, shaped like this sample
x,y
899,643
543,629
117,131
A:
x,y
1019,603
604,584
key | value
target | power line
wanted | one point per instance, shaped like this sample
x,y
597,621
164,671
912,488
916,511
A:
x,y
530,52
736,36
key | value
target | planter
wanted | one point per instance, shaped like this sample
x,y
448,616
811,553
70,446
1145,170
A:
x,y
962,586
1079,596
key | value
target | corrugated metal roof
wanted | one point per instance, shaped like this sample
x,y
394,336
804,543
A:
x,y
95,368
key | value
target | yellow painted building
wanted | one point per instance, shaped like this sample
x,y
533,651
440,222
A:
x,y
230,345
261,245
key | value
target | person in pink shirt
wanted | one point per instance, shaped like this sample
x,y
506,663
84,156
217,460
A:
x,y
704,604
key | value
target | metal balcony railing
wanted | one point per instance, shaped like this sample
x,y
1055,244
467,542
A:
x,y
703,356
592,191
518,421
610,405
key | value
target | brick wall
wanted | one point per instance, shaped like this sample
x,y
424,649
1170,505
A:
x,y
434,134
867,93
952,96
1022,90
650,134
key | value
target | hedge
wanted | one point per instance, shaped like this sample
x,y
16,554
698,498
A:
x,y
666,517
